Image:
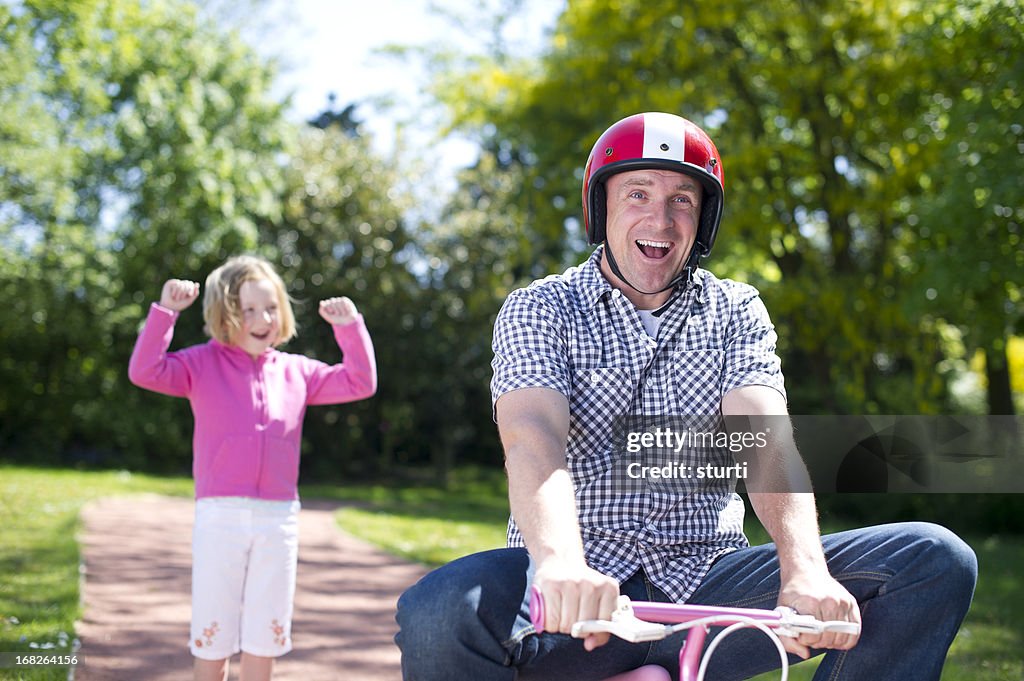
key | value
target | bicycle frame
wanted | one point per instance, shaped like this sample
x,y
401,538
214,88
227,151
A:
x,y
638,621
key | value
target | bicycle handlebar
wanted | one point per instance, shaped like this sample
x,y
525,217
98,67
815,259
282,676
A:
x,y
648,621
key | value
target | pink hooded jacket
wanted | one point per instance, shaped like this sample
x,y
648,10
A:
x,y
248,412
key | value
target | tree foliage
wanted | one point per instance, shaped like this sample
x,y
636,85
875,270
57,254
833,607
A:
x,y
343,233
139,143
161,143
970,254
829,116
873,167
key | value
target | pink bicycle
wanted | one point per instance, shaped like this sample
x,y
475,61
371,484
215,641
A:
x,y
638,621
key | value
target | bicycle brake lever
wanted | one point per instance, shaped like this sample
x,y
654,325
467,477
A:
x,y
793,624
632,630
623,624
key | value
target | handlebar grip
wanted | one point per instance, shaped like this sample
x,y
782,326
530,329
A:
x,y
843,627
537,609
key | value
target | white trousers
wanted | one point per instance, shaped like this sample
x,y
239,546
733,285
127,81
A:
x,y
244,557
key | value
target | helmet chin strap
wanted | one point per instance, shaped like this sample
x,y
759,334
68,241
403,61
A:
x,y
691,264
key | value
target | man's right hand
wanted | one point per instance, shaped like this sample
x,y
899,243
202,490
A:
x,y
574,592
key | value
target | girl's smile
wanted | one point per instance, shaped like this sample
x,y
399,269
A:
x,y
260,330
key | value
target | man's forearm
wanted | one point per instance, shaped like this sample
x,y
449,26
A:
x,y
791,521
543,505
783,503
534,425
778,486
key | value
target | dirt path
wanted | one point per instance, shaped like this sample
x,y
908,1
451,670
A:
x,y
137,557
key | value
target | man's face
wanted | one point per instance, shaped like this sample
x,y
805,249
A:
x,y
653,217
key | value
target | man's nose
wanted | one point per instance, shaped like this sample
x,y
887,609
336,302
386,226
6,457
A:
x,y
664,215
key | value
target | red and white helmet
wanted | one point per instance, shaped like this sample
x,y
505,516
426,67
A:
x,y
662,141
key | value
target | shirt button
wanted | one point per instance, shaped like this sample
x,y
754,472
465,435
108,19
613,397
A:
x,y
594,378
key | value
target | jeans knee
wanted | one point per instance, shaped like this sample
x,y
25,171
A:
x,y
424,614
470,599
950,558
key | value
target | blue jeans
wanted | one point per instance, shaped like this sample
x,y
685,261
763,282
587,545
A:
x,y
914,582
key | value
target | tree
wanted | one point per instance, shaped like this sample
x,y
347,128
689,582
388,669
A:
x,y
140,144
35,184
195,164
157,155
970,256
55,273
482,251
821,111
343,232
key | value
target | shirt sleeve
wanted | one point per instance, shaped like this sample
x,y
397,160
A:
x,y
151,366
530,349
750,357
353,379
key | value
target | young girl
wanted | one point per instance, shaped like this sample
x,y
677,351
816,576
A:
x,y
248,400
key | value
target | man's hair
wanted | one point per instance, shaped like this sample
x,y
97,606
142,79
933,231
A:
x,y
221,308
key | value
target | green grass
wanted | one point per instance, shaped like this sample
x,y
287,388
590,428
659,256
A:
x,y
429,525
39,556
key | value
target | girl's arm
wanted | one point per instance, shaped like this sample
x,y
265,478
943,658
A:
x,y
151,366
356,377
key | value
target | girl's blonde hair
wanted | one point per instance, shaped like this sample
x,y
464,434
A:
x,y
221,309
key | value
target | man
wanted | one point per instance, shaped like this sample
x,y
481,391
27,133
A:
x,y
641,329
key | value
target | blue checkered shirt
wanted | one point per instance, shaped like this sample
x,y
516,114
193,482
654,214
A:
x,y
575,334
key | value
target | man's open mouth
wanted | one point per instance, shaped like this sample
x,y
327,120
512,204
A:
x,y
654,249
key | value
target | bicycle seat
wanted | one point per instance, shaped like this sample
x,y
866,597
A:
x,y
648,672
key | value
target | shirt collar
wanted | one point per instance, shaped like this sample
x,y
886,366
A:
x,y
592,285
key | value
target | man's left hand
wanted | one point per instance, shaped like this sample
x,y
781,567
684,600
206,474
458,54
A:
x,y
822,597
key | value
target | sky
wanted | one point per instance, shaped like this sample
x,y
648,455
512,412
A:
x,y
328,46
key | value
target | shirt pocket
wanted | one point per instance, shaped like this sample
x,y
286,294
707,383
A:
x,y
600,398
602,393
696,381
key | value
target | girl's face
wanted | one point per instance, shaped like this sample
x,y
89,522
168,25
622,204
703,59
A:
x,y
261,325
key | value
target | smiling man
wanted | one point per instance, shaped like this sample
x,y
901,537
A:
x,y
652,224
640,330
